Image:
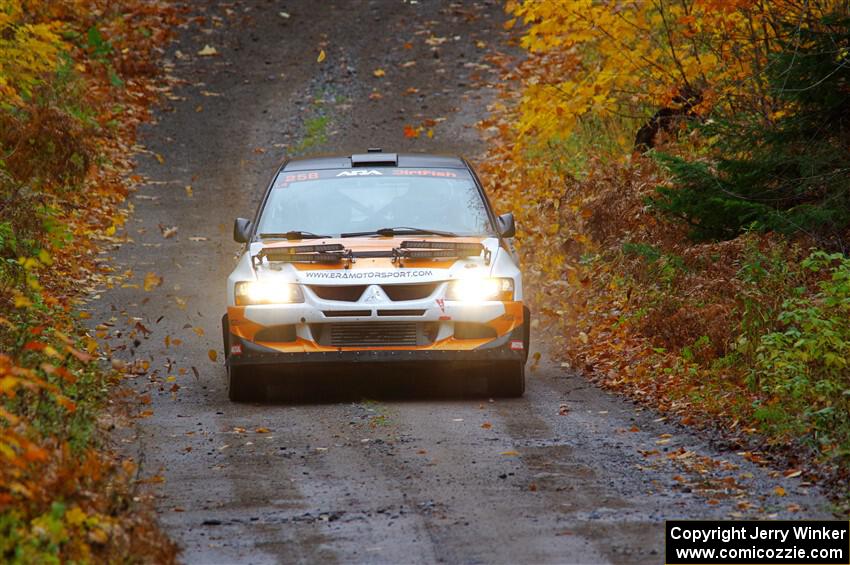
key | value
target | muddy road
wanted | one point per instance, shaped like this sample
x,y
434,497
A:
x,y
567,474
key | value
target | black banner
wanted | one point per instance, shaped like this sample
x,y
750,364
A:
x,y
816,542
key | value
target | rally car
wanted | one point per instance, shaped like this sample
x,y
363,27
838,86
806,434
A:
x,y
379,258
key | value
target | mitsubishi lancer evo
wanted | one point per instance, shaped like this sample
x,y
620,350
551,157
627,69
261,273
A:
x,y
375,258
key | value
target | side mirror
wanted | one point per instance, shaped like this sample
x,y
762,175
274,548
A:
x,y
241,230
507,225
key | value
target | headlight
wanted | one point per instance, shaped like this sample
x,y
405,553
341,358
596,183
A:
x,y
480,289
267,293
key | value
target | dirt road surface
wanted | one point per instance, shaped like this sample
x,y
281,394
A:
x,y
567,474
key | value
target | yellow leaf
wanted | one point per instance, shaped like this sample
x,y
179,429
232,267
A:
x,y
779,491
213,355
199,331
321,56
152,280
208,51
75,516
378,73
510,453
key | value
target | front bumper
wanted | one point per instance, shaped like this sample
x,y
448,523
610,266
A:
x,y
510,346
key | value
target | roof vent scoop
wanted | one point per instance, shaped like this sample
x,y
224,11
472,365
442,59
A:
x,y
374,150
374,158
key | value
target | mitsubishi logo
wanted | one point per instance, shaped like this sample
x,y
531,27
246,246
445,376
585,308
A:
x,y
373,295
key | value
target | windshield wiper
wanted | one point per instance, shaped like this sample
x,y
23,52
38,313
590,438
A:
x,y
294,234
401,230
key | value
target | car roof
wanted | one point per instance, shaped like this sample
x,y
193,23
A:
x,y
376,159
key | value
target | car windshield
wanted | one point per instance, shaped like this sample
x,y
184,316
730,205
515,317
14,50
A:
x,y
334,202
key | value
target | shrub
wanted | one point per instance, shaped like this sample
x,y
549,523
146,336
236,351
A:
x,y
803,368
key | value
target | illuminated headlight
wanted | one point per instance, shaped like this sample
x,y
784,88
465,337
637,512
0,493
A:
x,y
480,289
267,293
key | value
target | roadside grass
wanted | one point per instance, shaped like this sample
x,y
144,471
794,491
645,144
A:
x,y
67,120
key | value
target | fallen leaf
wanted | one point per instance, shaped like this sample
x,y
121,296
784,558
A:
x,y
198,238
510,453
262,430
208,51
486,425
376,96
321,56
779,491
791,473
378,73
199,331
284,15
152,280
168,233
213,355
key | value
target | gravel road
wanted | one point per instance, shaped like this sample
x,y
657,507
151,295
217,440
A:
x,y
567,474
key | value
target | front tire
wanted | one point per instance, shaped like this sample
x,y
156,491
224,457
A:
x,y
508,380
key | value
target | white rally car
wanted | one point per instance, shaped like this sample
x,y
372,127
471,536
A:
x,y
375,258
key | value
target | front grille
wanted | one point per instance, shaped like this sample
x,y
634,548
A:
x,y
375,334
348,293
400,292
346,313
408,312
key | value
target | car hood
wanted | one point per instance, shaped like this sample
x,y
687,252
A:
x,y
379,269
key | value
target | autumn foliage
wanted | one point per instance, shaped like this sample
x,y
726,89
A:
x,y
637,142
76,77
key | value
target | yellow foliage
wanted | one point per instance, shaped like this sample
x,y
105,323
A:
x,y
613,58
27,51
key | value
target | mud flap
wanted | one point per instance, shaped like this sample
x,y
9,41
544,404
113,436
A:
x,y
526,332
225,332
